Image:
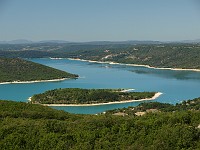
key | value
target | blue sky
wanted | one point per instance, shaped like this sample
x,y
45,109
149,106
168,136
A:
x,y
100,20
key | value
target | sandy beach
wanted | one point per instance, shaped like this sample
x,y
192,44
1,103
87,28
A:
x,y
22,82
118,102
136,65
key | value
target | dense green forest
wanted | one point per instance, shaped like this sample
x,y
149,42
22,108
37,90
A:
x,y
87,96
15,69
165,55
31,126
173,55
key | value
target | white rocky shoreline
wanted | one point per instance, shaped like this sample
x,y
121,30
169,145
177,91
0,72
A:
x,y
136,65
36,81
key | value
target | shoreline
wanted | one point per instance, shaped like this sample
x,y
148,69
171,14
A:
x,y
136,65
36,81
109,103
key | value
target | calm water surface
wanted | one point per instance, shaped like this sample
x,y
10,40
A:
x,y
175,85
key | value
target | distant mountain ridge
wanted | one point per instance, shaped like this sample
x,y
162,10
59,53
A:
x,y
19,41
24,41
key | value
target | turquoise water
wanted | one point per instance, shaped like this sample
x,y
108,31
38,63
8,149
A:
x,y
175,85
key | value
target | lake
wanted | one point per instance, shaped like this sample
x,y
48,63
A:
x,y
176,86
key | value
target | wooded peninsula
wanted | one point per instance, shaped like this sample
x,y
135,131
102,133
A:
x,y
88,96
19,70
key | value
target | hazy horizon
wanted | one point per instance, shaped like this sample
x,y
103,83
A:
x,y
58,40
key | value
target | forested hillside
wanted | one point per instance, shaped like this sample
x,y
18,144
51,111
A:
x,y
162,55
31,126
15,69
87,96
172,55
